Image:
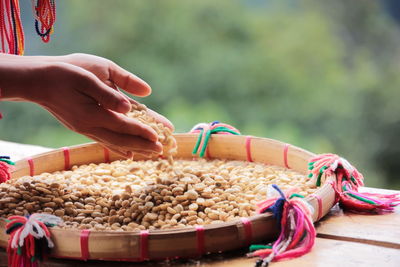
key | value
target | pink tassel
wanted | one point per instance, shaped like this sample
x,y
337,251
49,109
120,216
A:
x,y
348,180
5,169
297,232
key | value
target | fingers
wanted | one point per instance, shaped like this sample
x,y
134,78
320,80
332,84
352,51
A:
x,y
125,138
125,154
106,96
126,142
119,123
159,118
128,81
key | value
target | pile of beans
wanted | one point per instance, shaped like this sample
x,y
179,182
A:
x,y
153,194
165,137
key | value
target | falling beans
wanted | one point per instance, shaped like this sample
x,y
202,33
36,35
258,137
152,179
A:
x,y
165,137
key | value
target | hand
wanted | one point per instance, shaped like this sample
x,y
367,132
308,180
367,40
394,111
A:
x,y
115,77
82,101
109,73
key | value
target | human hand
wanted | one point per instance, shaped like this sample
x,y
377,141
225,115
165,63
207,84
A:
x,y
84,103
115,77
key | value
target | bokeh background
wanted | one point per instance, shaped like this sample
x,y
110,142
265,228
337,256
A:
x,y
322,75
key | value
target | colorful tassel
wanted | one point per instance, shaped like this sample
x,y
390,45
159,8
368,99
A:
x,y
11,31
348,180
5,168
45,17
297,232
29,239
205,131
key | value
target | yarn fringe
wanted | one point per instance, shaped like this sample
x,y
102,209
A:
x,y
30,239
6,167
297,232
205,130
348,181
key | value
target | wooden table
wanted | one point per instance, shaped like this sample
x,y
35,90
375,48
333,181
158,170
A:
x,y
343,239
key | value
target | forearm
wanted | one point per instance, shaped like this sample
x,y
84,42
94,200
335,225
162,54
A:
x,y
19,80
16,58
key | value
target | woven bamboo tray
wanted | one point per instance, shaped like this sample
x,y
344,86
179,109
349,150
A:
x,y
174,243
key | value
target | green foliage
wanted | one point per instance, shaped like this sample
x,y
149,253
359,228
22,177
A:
x,y
320,75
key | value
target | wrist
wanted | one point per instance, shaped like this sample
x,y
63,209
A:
x,y
20,81
69,58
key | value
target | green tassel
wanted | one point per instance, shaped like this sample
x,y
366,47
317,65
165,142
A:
x,y
224,129
318,183
205,144
296,195
9,162
344,188
362,199
208,135
258,247
323,168
196,147
321,171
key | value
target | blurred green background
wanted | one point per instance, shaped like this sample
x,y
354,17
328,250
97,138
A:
x,y
322,75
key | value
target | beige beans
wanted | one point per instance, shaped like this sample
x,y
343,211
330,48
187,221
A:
x,y
171,210
193,206
128,196
192,194
165,136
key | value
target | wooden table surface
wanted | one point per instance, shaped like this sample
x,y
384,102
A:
x,y
343,239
